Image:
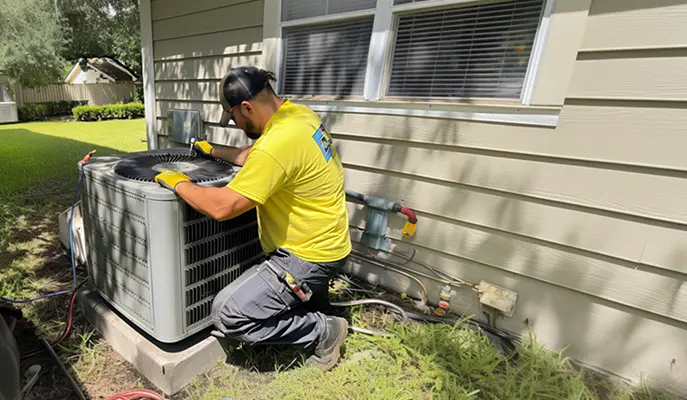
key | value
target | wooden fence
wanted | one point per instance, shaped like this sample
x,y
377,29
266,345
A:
x,y
96,93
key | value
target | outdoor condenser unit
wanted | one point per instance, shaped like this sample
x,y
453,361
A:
x,y
150,255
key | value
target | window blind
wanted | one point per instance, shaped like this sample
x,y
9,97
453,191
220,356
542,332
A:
x,y
328,59
297,9
469,51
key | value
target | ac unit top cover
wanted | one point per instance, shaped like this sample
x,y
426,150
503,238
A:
x,y
134,172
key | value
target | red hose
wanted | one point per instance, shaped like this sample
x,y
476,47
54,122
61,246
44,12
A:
x,y
136,394
64,334
412,218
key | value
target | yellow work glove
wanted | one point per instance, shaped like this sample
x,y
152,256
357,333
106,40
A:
x,y
204,148
170,179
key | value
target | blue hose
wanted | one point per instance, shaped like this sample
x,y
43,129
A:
x,y
71,247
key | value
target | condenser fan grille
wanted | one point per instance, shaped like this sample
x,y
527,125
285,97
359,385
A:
x,y
145,167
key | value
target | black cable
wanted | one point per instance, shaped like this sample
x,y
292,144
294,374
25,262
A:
x,y
75,386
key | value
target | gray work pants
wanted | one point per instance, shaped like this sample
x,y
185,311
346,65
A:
x,y
259,308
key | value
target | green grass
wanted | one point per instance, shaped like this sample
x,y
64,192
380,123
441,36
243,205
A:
x,y
421,361
37,178
35,155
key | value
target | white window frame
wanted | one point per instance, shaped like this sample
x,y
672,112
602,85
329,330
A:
x,y
279,73
382,41
556,43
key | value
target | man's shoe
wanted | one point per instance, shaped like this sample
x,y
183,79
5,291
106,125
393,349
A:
x,y
328,350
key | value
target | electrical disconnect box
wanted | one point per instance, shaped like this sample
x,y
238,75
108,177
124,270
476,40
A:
x,y
497,297
184,125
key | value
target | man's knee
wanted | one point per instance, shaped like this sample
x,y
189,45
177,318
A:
x,y
220,313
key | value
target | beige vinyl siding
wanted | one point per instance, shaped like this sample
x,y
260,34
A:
x,y
195,43
636,24
583,125
234,17
637,75
241,42
587,221
568,217
480,187
171,9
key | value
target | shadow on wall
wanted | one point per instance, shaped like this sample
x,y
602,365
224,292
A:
x,y
551,278
601,325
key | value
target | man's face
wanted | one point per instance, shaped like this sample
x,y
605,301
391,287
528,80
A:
x,y
243,115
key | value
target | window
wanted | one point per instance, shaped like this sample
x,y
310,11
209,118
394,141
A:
x,y
298,9
472,51
326,59
441,49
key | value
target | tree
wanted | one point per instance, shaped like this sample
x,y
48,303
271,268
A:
x,y
103,28
31,42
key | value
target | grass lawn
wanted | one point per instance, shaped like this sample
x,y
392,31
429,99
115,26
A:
x,y
421,361
34,154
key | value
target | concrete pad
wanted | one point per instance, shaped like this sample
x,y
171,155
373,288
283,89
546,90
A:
x,y
169,367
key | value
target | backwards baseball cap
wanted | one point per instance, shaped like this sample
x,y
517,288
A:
x,y
238,85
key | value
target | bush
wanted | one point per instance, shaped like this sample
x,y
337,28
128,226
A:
x,y
109,111
42,111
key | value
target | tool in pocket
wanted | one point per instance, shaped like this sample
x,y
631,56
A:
x,y
300,289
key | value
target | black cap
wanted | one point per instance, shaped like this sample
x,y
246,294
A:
x,y
238,85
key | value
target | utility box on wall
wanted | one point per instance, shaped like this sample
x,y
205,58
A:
x,y
184,125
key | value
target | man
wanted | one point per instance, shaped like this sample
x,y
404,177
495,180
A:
x,y
294,177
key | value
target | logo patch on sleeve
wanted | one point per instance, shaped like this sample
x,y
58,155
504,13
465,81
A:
x,y
324,141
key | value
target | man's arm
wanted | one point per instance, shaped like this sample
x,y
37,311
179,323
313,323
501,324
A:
x,y
261,176
234,155
220,203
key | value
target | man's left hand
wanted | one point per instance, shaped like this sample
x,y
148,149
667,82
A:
x,y
170,179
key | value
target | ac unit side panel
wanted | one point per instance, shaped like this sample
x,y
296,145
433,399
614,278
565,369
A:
x,y
200,295
122,230
111,195
215,254
166,269
129,255
117,244
113,282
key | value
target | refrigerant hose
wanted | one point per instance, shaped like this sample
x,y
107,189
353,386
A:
x,y
404,316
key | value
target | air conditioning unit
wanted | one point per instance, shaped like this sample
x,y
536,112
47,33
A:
x,y
8,112
8,108
155,259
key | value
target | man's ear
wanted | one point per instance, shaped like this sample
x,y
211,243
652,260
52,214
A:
x,y
249,107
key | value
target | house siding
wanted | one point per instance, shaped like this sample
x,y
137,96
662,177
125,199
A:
x,y
194,44
586,221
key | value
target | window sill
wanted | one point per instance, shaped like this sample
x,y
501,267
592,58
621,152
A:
x,y
515,114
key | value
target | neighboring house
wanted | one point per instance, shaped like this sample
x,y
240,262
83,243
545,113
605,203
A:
x,y
99,70
542,144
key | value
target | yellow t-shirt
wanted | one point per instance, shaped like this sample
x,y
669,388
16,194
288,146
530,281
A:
x,y
295,176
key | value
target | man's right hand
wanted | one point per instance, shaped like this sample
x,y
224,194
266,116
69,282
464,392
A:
x,y
204,148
